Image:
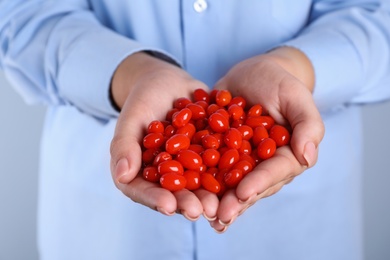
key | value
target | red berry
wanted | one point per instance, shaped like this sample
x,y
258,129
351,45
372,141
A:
x,y
189,159
176,143
188,130
210,141
161,157
170,166
181,118
280,135
173,182
259,134
266,148
233,177
223,97
181,103
255,111
209,183
201,95
151,174
235,112
211,157
233,138
198,112
228,159
156,127
218,122
193,180
153,140
246,132
244,165
240,101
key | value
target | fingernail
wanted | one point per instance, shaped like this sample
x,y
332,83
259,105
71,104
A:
x,y
309,153
222,230
121,170
209,218
227,223
184,213
246,200
164,211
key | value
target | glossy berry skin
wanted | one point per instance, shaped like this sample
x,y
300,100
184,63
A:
x,y
211,157
218,123
223,97
201,95
210,141
233,177
259,134
244,165
161,157
170,114
254,122
196,148
255,111
198,112
193,180
198,136
235,112
233,138
173,182
209,183
151,174
170,166
181,118
266,148
153,140
149,154
188,130
246,132
156,127
211,109
246,147
189,159
280,135
176,143
181,103
228,159
240,101
169,131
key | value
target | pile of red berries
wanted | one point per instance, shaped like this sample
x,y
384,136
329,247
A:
x,y
212,141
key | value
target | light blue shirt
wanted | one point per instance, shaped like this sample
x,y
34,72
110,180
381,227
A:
x,y
63,53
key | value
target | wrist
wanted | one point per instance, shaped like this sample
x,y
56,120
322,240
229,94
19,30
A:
x,y
296,63
131,70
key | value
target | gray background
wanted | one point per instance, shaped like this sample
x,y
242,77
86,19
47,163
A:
x,y
20,131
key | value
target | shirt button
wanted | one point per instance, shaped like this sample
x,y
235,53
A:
x,y
200,6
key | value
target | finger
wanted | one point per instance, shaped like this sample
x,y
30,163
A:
x,y
229,208
210,203
281,167
305,120
188,204
150,194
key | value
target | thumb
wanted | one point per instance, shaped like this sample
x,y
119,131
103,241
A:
x,y
307,125
125,146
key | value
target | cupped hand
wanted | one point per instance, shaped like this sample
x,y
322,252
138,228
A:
x,y
145,88
282,82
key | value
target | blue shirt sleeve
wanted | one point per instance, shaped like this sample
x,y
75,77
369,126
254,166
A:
x,y
348,43
57,52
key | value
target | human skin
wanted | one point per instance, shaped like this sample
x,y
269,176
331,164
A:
x,y
145,87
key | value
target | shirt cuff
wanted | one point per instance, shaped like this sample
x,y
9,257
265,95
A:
x,y
85,75
337,67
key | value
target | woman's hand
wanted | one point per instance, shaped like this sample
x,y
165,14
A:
x,y
282,82
144,88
